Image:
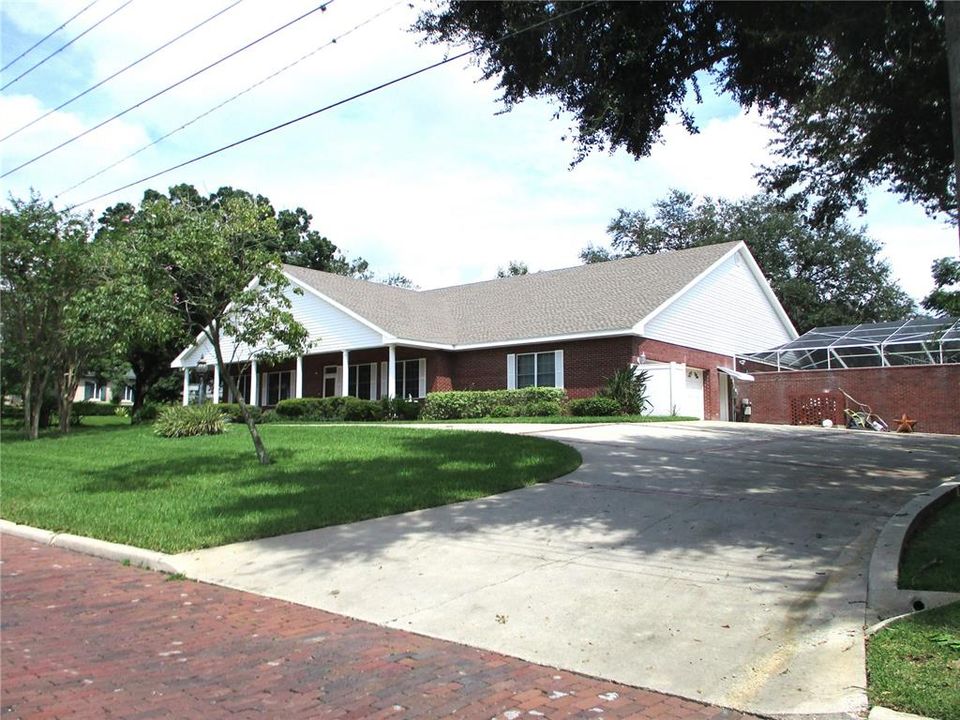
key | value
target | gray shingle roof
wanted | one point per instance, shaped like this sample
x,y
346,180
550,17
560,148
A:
x,y
610,296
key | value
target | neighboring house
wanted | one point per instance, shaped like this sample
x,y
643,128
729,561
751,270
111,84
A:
x,y
683,316
96,389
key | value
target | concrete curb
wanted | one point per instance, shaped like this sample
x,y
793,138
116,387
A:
x,y
884,599
149,559
882,713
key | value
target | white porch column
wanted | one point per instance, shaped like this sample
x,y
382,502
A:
x,y
299,386
254,390
216,383
392,372
345,385
186,386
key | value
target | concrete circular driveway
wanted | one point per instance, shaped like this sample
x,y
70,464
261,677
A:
x,y
716,561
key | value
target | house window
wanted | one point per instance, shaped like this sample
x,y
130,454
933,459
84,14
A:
x,y
536,370
276,386
94,391
408,378
361,379
128,393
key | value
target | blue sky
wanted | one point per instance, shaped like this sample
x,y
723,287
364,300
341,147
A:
x,y
424,178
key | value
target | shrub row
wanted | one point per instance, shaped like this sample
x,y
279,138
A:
x,y
482,403
187,420
594,407
85,408
347,408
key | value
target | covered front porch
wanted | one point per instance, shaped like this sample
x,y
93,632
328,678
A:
x,y
368,373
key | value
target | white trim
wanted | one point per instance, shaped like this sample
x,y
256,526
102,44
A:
x,y
345,373
186,386
542,340
216,383
422,377
746,377
511,371
391,371
558,368
298,390
254,397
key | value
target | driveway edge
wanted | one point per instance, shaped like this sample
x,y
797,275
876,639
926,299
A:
x,y
884,598
148,559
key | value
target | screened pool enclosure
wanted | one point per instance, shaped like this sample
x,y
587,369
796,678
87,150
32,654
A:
x,y
918,341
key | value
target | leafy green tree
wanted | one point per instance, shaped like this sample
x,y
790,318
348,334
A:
x,y
823,275
944,300
859,91
514,267
290,237
53,324
210,264
398,280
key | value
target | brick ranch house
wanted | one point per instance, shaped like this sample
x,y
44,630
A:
x,y
683,316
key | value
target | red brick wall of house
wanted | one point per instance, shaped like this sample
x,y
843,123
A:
x,y
585,363
701,359
929,394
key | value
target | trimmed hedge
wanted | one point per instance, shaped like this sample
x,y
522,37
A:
x,y
596,406
332,408
85,408
178,421
232,411
481,403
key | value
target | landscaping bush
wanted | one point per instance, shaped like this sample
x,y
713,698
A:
x,y
147,413
232,411
85,408
480,403
269,416
357,409
629,389
503,411
189,420
543,408
302,409
400,409
596,406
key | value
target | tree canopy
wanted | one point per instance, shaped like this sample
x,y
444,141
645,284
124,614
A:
x,y
859,91
823,275
514,267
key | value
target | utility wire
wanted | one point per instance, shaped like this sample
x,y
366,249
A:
x,y
228,100
122,70
64,46
338,103
321,7
48,35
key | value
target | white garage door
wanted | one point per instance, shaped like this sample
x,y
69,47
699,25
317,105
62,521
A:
x,y
693,400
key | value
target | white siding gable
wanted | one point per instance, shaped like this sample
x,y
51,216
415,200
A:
x,y
727,312
329,327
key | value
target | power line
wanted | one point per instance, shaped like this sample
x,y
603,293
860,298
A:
x,y
49,35
204,114
64,46
321,7
336,104
122,70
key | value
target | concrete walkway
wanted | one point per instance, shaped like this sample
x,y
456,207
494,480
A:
x,y
90,638
719,562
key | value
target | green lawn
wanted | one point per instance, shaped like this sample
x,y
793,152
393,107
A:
x,y
122,483
914,664
931,560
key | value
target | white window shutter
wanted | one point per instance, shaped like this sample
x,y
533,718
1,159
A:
x,y
511,371
384,380
558,368
423,377
373,383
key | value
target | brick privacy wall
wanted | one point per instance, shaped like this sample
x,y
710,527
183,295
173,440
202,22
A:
x,y
701,359
929,394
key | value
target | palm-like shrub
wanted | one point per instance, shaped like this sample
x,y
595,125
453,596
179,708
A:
x,y
185,421
629,389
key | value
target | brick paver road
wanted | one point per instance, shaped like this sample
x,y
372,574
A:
x,y
89,638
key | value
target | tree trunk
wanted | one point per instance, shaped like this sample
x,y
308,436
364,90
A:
x,y
262,455
28,424
951,17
